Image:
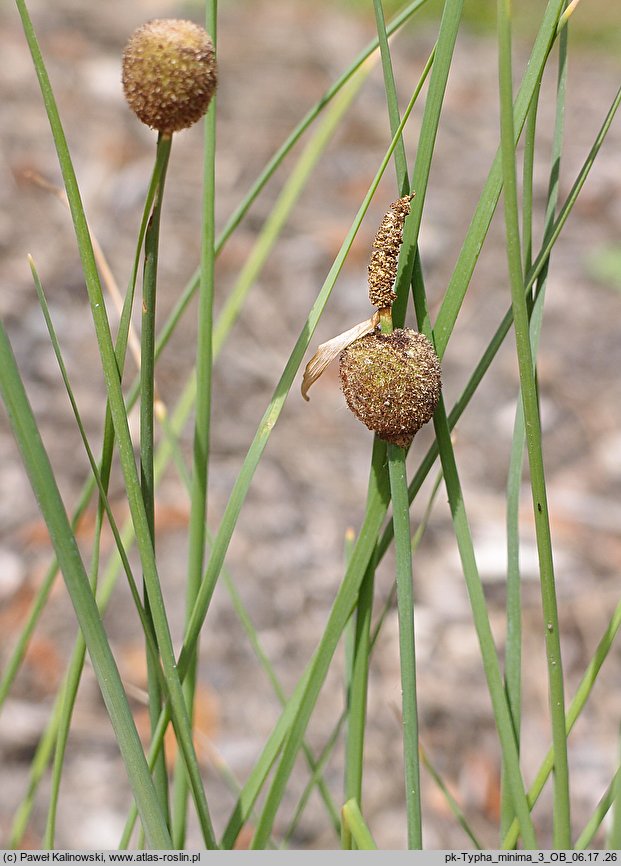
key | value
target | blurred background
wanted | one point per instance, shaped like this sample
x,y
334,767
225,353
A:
x,y
276,59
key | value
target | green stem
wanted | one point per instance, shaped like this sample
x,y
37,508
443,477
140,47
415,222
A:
x,y
474,585
356,717
202,426
358,684
513,644
535,299
405,611
147,399
407,655
562,826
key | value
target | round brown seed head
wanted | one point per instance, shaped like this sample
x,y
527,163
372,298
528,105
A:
x,y
392,383
169,73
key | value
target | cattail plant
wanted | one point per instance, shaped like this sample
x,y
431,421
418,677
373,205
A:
x,y
391,380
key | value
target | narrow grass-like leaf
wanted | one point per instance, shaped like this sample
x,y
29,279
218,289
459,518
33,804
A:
x,y
38,767
253,638
528,168
290,194
518,445
291,140
202,421
67,694
392,103
449,27
614,836
61,714
397,456
452,802
480,616
360,629
528,387
441,65
477,231
573,712
603,807
44,486
69,689
513,643
355,825
181,720
387,607
357,651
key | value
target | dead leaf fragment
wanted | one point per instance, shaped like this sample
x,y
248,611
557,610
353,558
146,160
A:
x,y
327,352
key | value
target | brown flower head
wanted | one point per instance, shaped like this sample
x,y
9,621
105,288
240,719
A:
x,y
385,254
169,73
392,383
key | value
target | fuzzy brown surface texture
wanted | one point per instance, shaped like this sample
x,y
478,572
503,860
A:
x,y
169,73
392,383
385,254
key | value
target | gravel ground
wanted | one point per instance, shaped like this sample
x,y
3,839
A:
x,y
286,557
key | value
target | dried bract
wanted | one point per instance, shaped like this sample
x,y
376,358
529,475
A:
x,y
169,73
327,352
392,383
